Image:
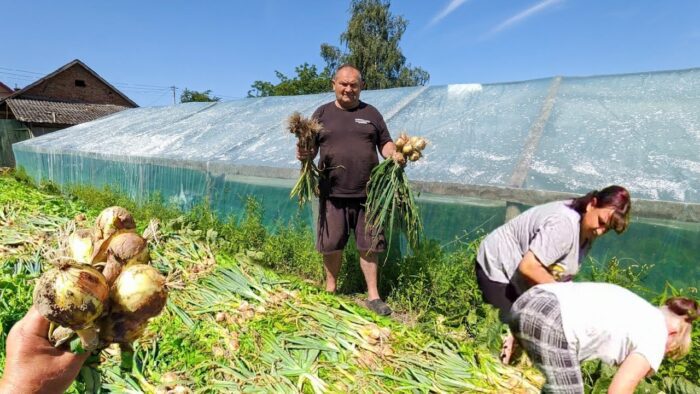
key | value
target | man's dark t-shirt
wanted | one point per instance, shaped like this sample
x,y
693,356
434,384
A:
x,y
348,145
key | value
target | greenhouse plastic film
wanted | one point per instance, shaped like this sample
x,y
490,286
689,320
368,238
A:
x,y
640,131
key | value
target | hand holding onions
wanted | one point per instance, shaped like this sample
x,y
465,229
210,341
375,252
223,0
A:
x,y
389,195
107,297
305,130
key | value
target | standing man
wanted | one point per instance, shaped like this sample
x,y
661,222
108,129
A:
x,y
352,133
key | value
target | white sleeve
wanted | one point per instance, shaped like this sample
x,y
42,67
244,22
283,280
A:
x,y
649,340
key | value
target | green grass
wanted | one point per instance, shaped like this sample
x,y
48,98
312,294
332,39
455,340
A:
x,y
433,289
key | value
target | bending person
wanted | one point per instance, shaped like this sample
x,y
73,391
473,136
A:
x,y
562,324
544,244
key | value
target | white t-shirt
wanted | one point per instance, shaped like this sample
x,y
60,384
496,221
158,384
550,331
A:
x,y
550,231
608,322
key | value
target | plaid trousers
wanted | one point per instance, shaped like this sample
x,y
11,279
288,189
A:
x,y
536,323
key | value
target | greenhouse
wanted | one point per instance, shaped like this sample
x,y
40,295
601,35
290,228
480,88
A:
x,y
494,150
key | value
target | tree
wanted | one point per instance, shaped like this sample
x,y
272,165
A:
x,y
372,42
190,96
307,81
372,39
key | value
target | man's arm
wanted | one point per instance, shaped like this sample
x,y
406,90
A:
x,y
630,373
531,268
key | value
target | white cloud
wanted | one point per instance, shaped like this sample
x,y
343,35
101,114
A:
x,y
453,5
518,18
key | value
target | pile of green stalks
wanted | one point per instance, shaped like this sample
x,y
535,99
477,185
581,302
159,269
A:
x,y
232,326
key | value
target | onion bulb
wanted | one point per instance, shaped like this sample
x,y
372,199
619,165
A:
x,y
128,248
407,149
420,143
101,250
80,245
112,219
139,292
415,155
119,328
400,142
73,296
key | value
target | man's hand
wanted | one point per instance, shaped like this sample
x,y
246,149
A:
x,y
33,365
303,154
389,150
399,158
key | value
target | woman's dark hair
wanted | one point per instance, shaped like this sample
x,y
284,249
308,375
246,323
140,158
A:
x,y
614,196
683,307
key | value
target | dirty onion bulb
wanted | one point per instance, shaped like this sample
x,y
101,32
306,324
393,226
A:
x,y
73,296
123,250
139,292
112,219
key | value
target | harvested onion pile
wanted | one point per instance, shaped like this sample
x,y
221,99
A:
x,y
305,130
106,291
389,196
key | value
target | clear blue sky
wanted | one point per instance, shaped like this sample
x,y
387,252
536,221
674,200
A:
x,y
226,45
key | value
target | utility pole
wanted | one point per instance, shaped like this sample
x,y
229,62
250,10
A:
x,y
174,88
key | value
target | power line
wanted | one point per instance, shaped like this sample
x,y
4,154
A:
x,y
133,87
22,71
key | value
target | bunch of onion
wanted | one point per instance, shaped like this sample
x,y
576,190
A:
x,y
306,130
390,200
108,292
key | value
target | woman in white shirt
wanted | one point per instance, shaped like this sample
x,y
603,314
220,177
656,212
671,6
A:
x,y
562,324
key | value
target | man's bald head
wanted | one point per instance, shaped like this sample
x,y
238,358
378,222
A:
x,y
347,67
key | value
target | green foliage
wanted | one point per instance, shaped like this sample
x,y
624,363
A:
x,y
433,285
15,299
287,250
307,81
372,41
190,96
246,233
614,271
97,199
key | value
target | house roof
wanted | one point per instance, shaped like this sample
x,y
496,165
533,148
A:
x,y
54,112
60,70
5,87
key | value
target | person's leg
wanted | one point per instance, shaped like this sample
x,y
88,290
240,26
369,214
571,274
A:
x,y
331,264
495,293
369,244
536,322
368,264
501,296
331,237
